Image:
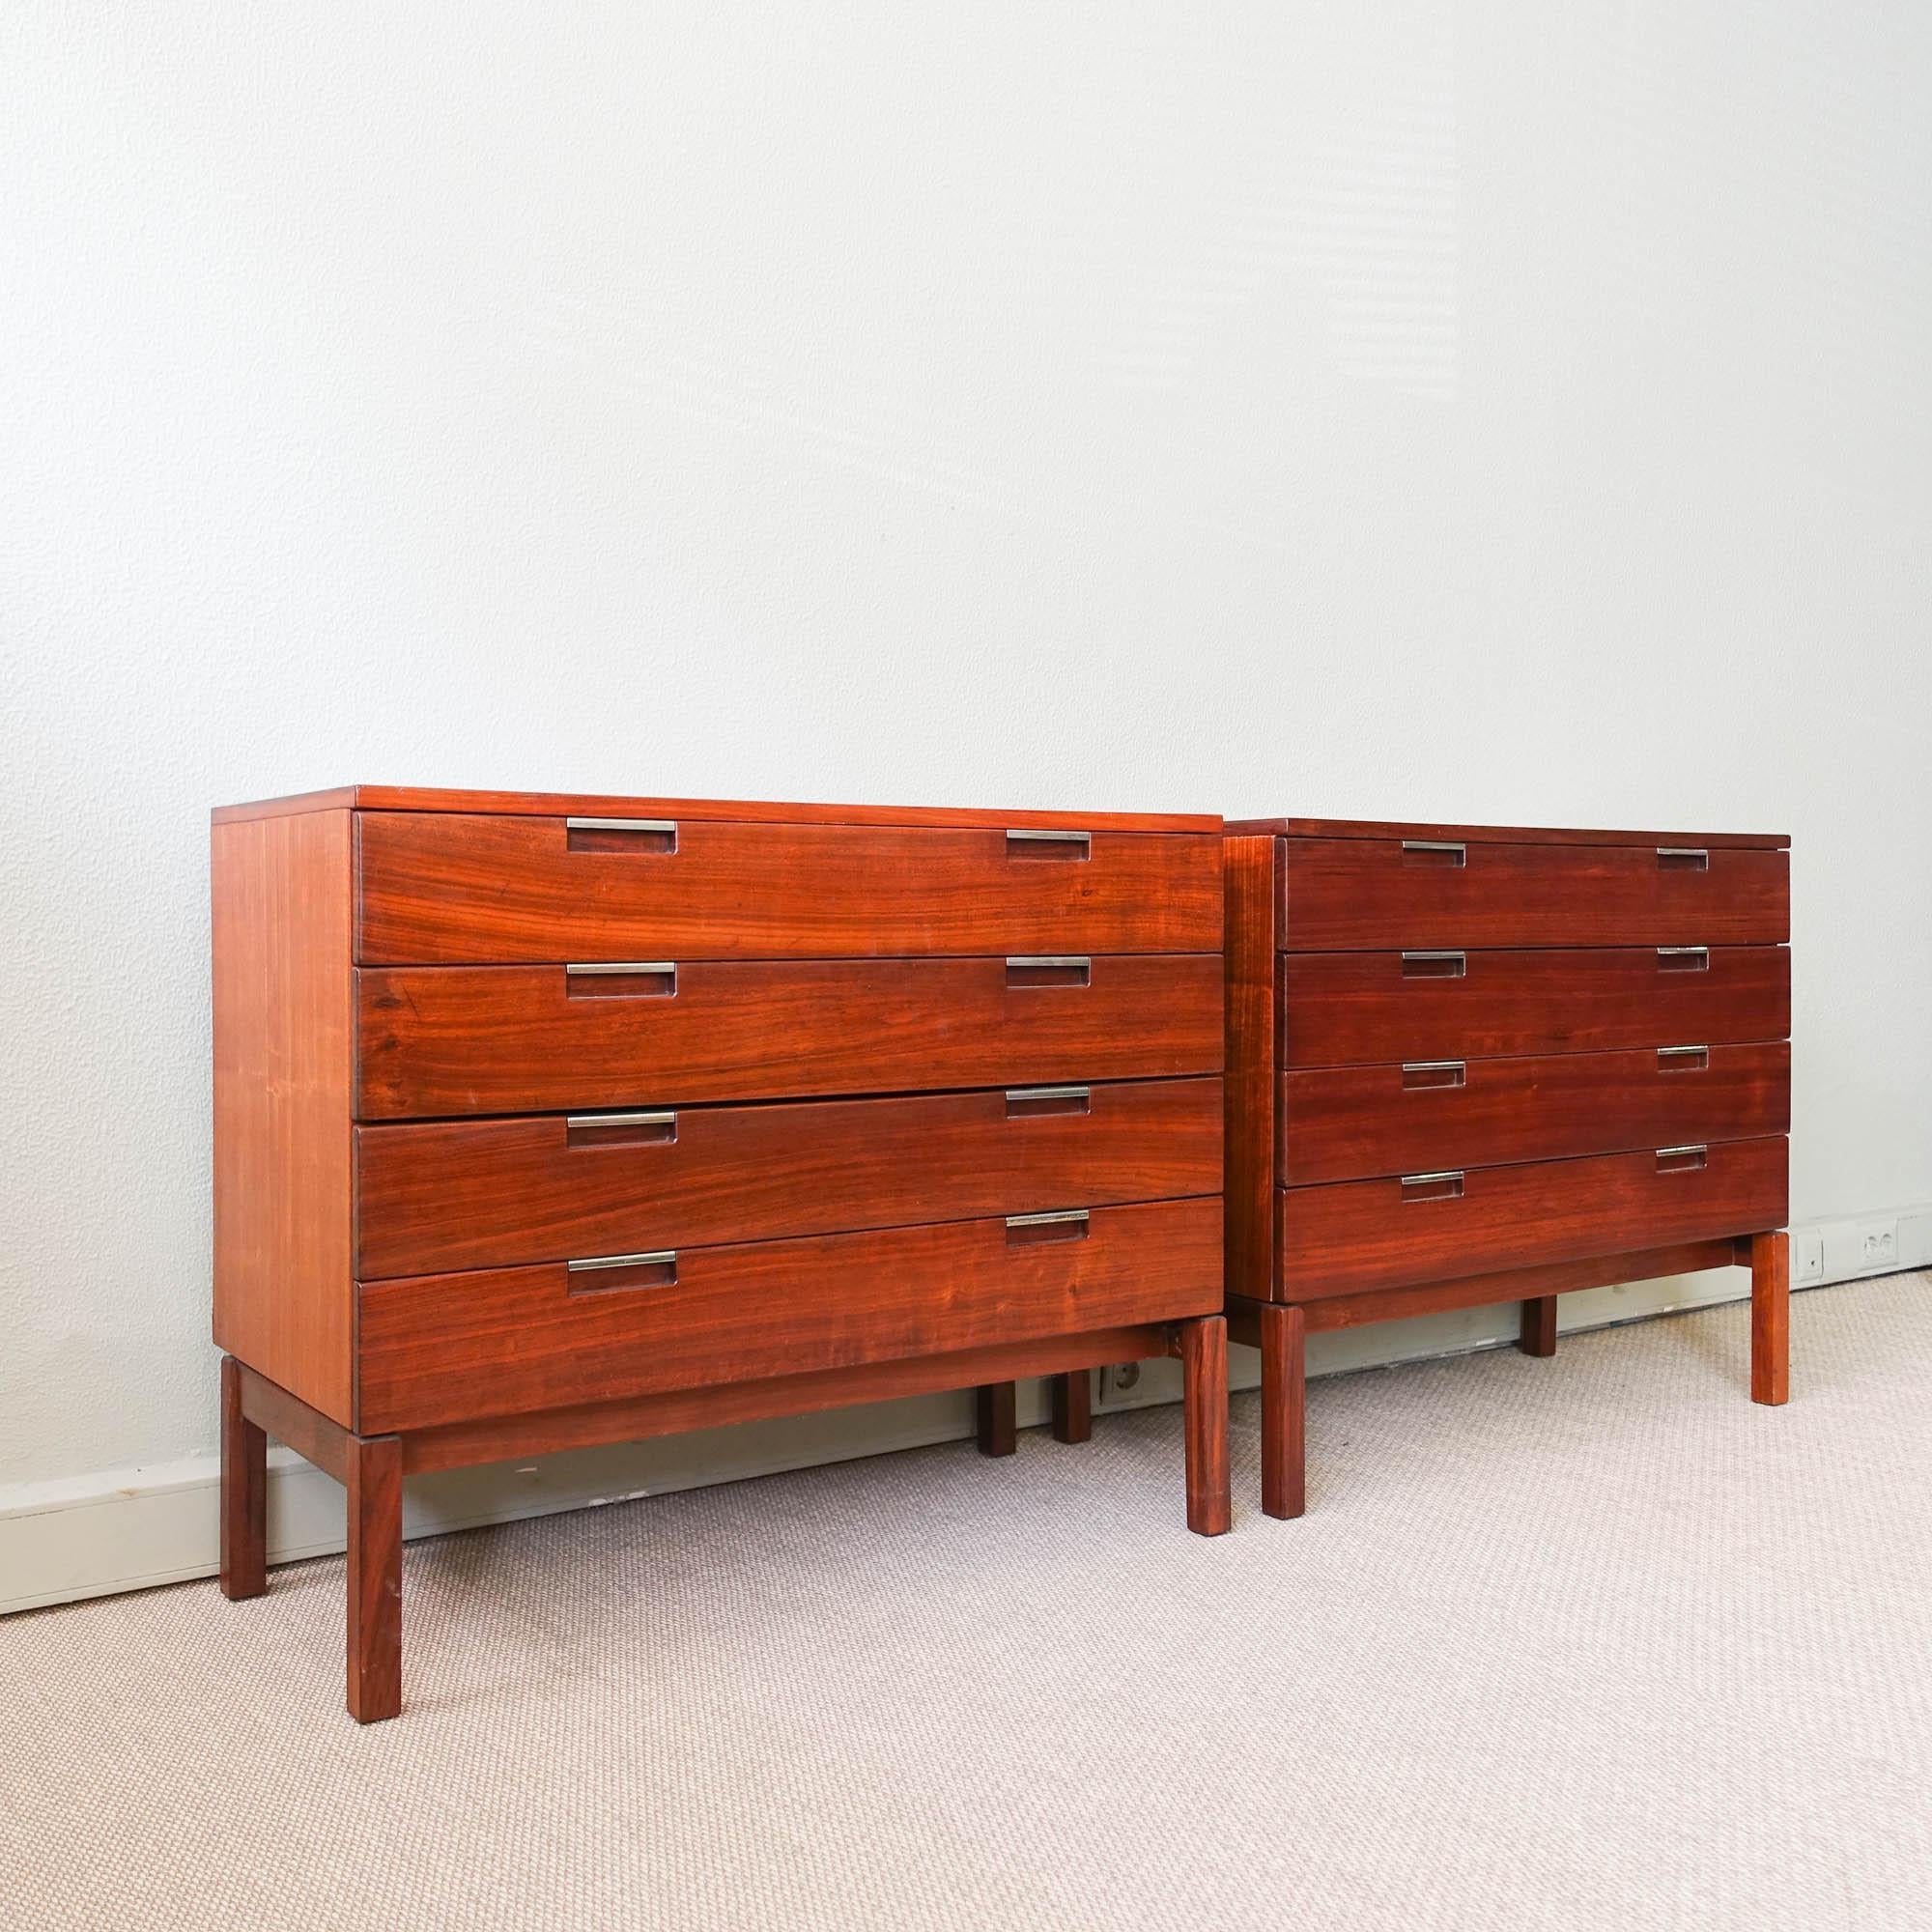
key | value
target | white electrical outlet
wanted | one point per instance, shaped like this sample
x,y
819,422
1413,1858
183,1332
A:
x,y
1118,1381
1807,1256
1878,1246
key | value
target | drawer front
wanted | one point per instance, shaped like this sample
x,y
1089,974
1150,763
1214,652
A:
x,y
1349,1122
1341,1008
436,1349
1381,1234
1339,894
438,1196
444,1040
440,888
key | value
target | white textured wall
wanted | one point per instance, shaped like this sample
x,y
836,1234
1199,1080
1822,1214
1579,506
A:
x,y
1473,411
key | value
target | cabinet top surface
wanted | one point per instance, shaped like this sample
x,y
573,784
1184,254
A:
x,y
1503,835
603,804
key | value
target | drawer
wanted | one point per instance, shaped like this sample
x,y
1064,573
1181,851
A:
x,y
436,1349
1346,1122
1359,1235
443,888
1345,1007
437,1196
442,1040
1338,894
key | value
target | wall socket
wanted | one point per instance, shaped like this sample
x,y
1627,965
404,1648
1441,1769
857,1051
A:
x,y
1856,1248
1119,1380
1878,1244
1807,1256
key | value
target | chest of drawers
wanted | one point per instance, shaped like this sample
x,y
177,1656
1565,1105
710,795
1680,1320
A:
x,y
542,1122
1471,1064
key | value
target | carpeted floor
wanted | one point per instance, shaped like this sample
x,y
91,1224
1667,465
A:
x,y
1590,1642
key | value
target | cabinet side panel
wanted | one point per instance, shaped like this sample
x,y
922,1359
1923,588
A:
x,y
1249,1087
283,1062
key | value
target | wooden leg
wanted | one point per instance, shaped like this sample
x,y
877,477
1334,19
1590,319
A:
x,y
244,1493
998,1432
1073,1406
375,1482
1538,1335
1284,1411
1771,1317
1204,1371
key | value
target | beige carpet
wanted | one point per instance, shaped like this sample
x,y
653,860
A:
x,y
1578,1643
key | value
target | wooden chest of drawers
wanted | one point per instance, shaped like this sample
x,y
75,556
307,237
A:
x,y
1470,1064
549,1121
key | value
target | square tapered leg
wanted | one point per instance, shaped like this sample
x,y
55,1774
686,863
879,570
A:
x,y
1538,1333
1073,1406
1771,1317
375,1484
244,1493
1204,1369
1284,1409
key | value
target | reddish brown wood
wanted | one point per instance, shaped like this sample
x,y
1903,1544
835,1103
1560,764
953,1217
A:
x,y
1366,1234
244,1493
1508,835
1348,1007
1073,1406
457,889
479,1194
1283,1338
314,1437
1771,1317
1344,894
440,1348
1518,1284
375,1484
612,804
283,1070
542,1433
1538,1333
488,1039
1204,1369
1352,1122
996,1418
1251,1058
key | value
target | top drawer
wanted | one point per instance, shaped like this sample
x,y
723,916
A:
x,y
445,889
1341,894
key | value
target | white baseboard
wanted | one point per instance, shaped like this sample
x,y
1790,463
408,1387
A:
x,y
94,1535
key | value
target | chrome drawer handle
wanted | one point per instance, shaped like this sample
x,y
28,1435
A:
x,y
1050,1099
1688,1057
1682,1159
1683,858
1445,1185
1059,1215
621,825
660,1118
1045,969
1684,958
1435,1073
1435,965
1693,1147
663,1257
596,967
624,838
1446,851
1026,835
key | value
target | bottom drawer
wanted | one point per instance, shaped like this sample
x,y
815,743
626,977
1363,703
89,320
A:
x,y
436,1349
1385,1234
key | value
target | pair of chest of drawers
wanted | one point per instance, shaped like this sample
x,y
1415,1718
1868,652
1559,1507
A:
x,y
1475,1065
542,1122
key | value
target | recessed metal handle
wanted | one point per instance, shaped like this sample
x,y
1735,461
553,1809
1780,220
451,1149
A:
x,y
1683,858
607,968
1435,965
1045,969
1029,835
1445,1185
1433,1073
1690,1147
658,1118
1438,851
1684,958
661,1258
624,838
621,825
1023,1101
1682,1059
1053,1219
